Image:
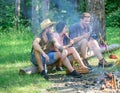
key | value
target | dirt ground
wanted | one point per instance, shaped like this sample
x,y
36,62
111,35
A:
x,y
89,83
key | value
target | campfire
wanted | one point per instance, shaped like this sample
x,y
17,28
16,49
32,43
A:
x,y
109,81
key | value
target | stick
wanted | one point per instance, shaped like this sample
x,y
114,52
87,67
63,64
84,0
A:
x,y
114,77
106,47
45,67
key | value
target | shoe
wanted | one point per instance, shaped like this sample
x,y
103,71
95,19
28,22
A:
x,y
104,63
82,70
85,61
74,74
59,68
44,75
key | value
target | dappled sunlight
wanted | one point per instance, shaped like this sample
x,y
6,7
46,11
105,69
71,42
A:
x,y
13,43
15,57
17,64
12,81
30,88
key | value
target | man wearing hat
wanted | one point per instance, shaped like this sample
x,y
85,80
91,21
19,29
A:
x,y
44,52
86,40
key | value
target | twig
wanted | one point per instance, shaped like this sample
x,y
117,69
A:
x,y
106,47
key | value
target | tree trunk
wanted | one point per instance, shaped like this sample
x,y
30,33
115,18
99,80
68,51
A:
x,y
35,17
17,12
97,9
45,8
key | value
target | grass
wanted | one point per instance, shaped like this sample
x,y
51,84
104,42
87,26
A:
x,y
15,50
15,47
113,35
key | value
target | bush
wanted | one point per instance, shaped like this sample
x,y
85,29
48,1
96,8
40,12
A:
x,y
112,13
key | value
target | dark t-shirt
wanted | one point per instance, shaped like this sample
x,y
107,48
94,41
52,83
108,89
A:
x,y
76,30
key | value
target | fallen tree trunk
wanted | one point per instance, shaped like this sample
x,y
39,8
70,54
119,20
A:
x,y
104,50
34,69
29,70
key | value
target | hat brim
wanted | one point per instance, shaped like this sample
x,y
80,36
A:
x,y
50,24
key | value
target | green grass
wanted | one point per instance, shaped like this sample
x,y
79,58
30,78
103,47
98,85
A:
x,y
15,47
113,35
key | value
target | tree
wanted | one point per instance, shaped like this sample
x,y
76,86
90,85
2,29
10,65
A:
x,y
45,8
35,17
17,12
97,9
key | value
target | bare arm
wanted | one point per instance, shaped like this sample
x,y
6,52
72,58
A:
x,y
58,45
37,47
87,35
76,39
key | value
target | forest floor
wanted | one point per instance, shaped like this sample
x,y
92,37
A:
x,y
88,83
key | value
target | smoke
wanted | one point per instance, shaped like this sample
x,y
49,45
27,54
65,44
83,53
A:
x,y
64,10
97,28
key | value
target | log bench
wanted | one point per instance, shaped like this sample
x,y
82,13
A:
x,y
33,69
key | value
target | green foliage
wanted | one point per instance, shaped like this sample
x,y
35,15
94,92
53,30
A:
x,y
7,13
112,13
59,10
113,19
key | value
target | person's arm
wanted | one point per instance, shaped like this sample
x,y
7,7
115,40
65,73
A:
x,y
56,43
76,39
37,47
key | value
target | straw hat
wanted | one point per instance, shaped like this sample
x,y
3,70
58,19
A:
x,y
46,23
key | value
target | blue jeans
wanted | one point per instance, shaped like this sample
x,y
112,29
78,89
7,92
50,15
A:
x,y
51,58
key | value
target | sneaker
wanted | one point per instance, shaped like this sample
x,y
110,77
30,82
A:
x,y
59,68
44,75
104,63
85,61
82,70
74,74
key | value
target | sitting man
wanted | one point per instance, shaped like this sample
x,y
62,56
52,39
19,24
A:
x,y
83,30
61,30
44,53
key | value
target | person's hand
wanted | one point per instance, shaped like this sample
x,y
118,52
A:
x,y
71,42
60,49
86,35
46,57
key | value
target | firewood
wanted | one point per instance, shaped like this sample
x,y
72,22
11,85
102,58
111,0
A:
x,y
29,70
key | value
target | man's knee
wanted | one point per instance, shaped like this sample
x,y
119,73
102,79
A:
x,y
58,55
73,48
85,41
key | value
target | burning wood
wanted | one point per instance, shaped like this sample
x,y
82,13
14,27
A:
x,y
109,81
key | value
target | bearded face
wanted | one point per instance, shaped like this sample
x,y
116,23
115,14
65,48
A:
x,y
86,21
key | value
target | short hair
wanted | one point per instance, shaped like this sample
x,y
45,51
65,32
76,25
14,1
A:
x,y
85,14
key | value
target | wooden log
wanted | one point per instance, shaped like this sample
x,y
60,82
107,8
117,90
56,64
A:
x,y
103,49
29,70
34,69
